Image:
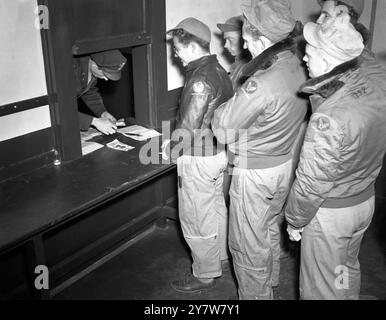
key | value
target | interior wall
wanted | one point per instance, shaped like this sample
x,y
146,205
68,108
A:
x,y
21,65
379,42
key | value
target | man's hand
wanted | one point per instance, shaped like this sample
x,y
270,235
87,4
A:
x,y
165,148
294,234
109,116
104,125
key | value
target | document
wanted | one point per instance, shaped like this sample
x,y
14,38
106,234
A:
x,y
139,133
89,146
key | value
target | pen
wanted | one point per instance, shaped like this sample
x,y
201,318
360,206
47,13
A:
x,y
133,134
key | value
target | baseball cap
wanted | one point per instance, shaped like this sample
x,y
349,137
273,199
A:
x,y
358,5
340,40
194,27
232,24
273,18
111,63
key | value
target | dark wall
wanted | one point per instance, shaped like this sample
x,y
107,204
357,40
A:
x,y
118,96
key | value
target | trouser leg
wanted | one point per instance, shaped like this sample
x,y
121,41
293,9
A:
x,y
275,231
329,267
257,196
353,265
202,211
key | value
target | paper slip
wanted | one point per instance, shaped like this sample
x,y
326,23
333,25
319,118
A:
x,y
139,133
88,135
89,146
120,123
119,146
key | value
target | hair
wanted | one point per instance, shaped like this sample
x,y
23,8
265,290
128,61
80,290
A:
x,y
251,29
187,38
354,16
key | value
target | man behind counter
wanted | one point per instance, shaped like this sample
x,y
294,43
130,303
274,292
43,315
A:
x,y
105,65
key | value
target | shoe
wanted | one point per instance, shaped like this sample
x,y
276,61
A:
x,y
190,284
225,265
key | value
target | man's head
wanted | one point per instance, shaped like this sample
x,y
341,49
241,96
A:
x,y
266,22
191,40
333,8
231,30
331,45
107,64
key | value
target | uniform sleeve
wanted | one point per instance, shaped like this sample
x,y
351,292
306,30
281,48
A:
x,y
317,170
240,112
93,100
84,121
195,106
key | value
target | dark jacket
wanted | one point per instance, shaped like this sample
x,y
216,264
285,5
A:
x,y
207,86
344,145
88,92
261,122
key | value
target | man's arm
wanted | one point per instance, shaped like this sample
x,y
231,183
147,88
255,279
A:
x,y
195,103
93,100
317,170
240,112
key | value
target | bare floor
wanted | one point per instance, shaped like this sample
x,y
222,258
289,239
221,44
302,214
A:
x,y
145,269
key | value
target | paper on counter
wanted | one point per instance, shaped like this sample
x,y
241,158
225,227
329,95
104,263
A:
x,y
139,133
118,145
89,134
89,146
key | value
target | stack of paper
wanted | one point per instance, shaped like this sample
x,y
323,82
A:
x,y
88,135
88,147
138,133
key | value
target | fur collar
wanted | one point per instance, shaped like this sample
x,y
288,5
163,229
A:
x,y
267,58
329,83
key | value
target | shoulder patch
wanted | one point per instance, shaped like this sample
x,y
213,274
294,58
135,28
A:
x,y
251,87
198,87
323,124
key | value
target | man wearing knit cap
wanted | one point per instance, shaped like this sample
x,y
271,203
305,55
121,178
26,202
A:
x,y
200,164
260,124
332,198
231,30
354,8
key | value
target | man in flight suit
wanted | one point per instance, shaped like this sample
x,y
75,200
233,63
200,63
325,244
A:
x,y
260,124
200,163
332,198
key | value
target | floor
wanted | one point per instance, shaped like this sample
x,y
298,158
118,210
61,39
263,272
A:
x,y
145,270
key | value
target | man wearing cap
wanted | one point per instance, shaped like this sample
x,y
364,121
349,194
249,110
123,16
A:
x,y
354,8
231,30
105,65
200,164
332,198
260,124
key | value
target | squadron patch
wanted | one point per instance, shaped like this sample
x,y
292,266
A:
x,y
251,87
198,87
323,124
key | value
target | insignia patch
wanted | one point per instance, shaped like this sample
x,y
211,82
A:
x,y
251,87
323,124
198,87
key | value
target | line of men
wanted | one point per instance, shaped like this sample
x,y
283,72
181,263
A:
x,y
329,204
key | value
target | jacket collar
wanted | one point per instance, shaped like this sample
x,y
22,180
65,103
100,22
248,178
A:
x,y
201,62
329,83
267,58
